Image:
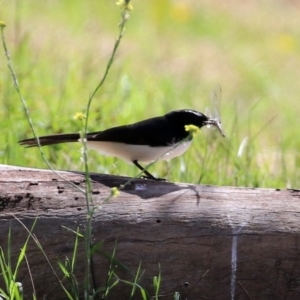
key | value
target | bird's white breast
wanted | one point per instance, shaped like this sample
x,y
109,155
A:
x,y
141,153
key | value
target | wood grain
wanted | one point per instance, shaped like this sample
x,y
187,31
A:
x,y
246,240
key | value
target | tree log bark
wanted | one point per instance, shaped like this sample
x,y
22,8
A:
x,y
244,240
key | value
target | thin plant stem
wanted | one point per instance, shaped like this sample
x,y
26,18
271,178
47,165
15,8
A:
x,y
26,110
124,18
88,186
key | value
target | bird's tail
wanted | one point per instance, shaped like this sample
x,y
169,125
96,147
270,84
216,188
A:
x,y
51,140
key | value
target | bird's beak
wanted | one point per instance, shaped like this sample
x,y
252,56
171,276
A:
x,y
215,123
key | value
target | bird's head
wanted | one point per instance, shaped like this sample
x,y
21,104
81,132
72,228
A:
x,y
185,117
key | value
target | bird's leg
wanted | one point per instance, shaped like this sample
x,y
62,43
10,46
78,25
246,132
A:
x,y
148,175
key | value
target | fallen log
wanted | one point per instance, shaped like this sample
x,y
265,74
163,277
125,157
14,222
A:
x,y
210,242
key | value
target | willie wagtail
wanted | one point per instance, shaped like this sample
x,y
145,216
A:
x,y
162,137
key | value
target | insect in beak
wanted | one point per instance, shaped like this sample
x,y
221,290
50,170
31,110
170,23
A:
x,y
213,113
216,123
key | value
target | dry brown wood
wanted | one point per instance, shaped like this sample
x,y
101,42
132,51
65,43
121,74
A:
x,y
245,240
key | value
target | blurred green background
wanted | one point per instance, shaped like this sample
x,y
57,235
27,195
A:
x,y
172,56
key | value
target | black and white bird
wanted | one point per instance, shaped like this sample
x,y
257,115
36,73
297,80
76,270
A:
x,y
162,137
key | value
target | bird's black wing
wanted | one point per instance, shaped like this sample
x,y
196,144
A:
x,y
152,132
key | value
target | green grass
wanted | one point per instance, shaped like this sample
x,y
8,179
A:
x,y
171,57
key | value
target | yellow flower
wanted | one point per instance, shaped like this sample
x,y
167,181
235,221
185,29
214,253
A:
x,y
286,43
192,129
181,12
115,192
2,24
125,4
79,116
